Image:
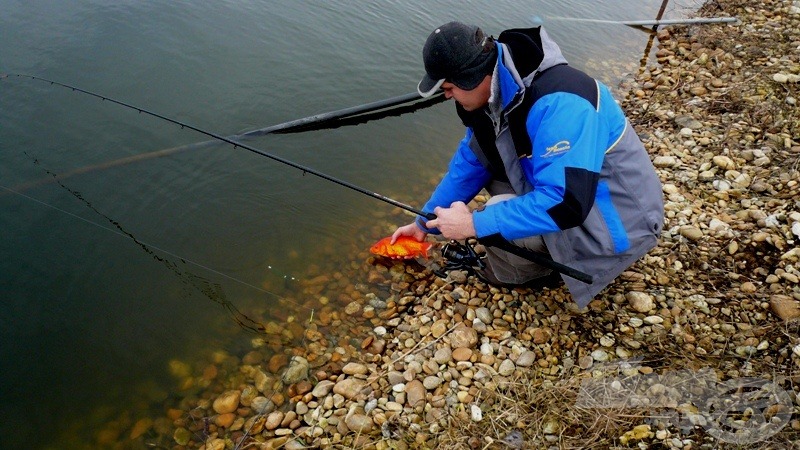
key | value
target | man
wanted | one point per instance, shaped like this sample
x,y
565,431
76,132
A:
x,y
567,173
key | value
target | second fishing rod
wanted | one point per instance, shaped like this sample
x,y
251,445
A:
x,y
538,258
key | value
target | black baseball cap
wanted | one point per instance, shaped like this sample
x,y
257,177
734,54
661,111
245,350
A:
x,y
459,53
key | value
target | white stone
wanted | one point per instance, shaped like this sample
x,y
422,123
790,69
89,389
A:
x,y
394,406
526,359
723,162
431,382
484,315
653,320
640,301
322,388
717,225
352,368
665,161
698,419
721,185
780,78
670,189
599,355
506,368
476,413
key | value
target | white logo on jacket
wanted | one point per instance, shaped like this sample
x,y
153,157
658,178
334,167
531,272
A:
x,y
557,149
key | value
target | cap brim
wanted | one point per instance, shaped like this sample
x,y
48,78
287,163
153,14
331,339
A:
x,y
428,86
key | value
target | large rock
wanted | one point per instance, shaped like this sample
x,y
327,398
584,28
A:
x,y
443,356
349,388
484,315
665,161
432,382
415,393
322,388
353,368
785,307
463,336
215,444
640,302
540,335
358,423
297,370
526,359
691,233
263,405
439,328
274,420
263,382
506,368
462,354
227,402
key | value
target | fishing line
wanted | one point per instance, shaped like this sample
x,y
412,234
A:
x,y
235,143
211,290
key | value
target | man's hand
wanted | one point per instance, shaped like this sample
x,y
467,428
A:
x,y
454,222
411,230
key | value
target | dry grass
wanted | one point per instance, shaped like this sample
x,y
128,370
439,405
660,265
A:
x,y
530,412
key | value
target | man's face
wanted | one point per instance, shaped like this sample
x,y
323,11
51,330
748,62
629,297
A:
x,y
470,100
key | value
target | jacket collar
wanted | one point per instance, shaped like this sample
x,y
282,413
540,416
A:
x,y
508,83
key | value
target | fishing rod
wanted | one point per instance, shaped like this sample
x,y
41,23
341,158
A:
x,y
537,258
354,115
647,23
235,144
307,122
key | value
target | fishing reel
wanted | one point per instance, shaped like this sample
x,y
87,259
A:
x,y
458,256
461,256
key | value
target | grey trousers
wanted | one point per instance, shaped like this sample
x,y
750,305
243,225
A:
x,y
512,269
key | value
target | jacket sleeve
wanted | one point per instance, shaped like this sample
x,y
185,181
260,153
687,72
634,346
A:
x,y
465,177
569,140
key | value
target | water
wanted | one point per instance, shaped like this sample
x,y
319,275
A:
x,y
111,274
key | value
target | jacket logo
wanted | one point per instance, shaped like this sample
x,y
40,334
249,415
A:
x,y
557,149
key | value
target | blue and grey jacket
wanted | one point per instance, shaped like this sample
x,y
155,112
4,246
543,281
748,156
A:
x,y
556,138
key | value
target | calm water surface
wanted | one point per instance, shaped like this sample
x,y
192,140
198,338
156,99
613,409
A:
x,y
107,276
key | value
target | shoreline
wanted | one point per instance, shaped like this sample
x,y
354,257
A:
x,y
423,362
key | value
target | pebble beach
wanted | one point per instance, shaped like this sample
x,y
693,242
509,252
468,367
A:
x,y
396,357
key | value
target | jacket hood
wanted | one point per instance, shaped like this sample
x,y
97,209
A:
x,y
535,51
523,53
